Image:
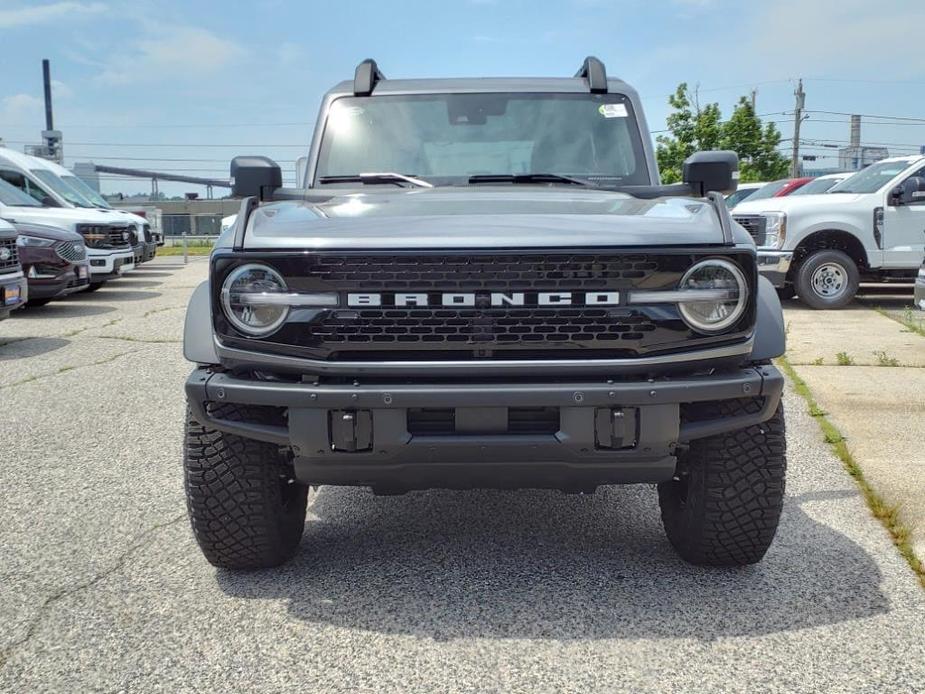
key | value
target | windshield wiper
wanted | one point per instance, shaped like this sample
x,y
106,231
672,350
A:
x,y
380,177
530,178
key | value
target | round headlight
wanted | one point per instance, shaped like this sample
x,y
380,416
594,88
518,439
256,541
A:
x,y
241,299
725,294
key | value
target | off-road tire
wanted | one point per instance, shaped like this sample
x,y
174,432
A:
x,y
847,272
245,510
723,507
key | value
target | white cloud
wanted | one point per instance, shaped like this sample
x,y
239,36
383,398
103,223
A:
x,y
19,110
174,53
39,14
813,37
59,90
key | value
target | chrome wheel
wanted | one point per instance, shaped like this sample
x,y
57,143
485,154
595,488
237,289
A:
x,y
829,280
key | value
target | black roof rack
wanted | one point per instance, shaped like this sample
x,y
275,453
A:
x,y
366,77
593,71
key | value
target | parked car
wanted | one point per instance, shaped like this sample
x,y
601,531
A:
x,y
819,247
468,329
778,189
14,291
919,298
743,192
821,184
42,180
54,261
108,248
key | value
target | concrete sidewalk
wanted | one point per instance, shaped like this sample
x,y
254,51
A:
x,y
880,410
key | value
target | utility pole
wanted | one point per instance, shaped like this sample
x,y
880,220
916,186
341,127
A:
x,y
797,119
52,137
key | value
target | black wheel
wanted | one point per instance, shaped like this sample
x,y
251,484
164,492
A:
x,y
723,507
35,303
245,509
93,286
786,292
827,279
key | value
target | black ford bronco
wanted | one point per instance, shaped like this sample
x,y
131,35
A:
x,y
482,283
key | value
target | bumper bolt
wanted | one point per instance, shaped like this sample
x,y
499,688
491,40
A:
x,y
221,394
387,398
578,397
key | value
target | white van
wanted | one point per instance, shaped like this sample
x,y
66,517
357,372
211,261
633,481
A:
x,y
108,241
53,185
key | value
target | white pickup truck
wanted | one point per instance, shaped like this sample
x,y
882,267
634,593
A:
x,y
870,227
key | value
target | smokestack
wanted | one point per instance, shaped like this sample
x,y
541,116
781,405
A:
x,y
855,131
46,77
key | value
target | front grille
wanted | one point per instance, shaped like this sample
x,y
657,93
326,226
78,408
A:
x,y
71,251
755,225
455,326
479,332
12,261
496,272
104,235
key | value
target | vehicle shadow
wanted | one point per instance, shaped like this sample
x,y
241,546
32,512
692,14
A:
x,y
139,283
536,564
18,348
64,308
149,273
115,294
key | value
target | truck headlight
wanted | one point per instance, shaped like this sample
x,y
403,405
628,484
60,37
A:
x,y
23,240
248,302
775,229
727,289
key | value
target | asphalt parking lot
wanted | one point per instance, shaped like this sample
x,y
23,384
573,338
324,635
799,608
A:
x,y
104,589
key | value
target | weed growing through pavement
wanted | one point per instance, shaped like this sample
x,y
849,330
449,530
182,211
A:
x,y
885,359
844,359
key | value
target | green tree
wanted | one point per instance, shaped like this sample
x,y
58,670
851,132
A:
x,y
692,131
756,145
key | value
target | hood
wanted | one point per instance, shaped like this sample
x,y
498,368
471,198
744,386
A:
x,y
466,217
44,231
123,216
66,217
794,203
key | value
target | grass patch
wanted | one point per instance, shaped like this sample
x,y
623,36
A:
x,y
818,361
884,359
914,321
886,513
178,250
844,359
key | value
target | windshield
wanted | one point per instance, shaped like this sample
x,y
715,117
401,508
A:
x,y
13,196
871,179
86,191
814,187
740,195
768,190
446,138
61,188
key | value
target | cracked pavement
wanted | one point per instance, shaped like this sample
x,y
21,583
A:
x,y
104,590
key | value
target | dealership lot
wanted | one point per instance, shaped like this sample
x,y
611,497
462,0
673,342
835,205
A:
x,y
105,590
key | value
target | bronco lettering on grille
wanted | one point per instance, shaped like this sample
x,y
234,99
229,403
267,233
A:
x,y
484,299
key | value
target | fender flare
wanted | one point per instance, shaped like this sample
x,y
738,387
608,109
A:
x,y
198,344
770,332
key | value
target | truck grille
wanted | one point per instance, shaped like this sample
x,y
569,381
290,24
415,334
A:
x,y
71,251
104,235
754,225
434,332
12,262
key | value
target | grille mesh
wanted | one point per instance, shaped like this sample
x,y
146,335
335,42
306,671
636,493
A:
x,y
448,326
13,260
70,251
496,272
754,225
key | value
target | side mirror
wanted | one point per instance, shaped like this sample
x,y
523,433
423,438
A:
x,y
713,171
909,192
255,176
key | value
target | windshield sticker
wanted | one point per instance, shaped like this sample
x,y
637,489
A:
x,y
612,110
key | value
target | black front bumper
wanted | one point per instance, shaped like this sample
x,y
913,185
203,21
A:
x,y
593,443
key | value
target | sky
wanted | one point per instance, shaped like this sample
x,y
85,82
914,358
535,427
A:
x,y
183,86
